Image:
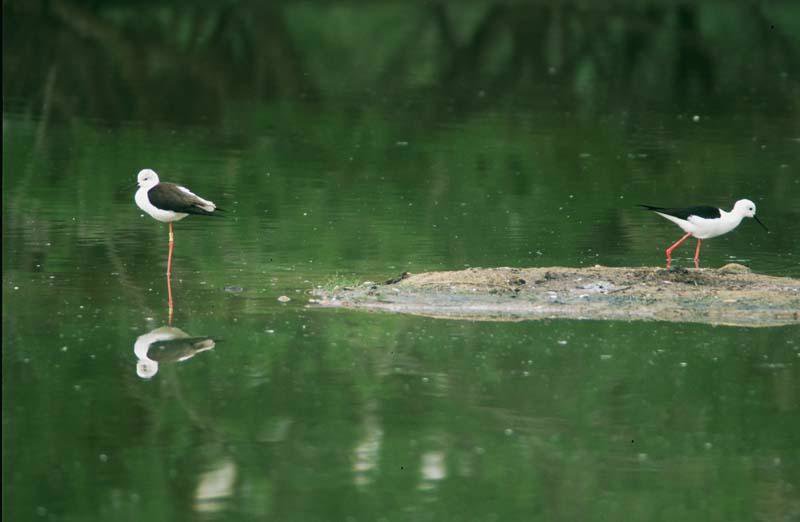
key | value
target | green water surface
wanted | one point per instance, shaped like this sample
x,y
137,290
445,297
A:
x,y
312,414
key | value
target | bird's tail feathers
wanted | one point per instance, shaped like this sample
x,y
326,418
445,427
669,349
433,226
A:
x,y
200,211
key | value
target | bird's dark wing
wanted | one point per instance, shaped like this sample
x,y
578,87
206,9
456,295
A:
x,y
702,211
173,350
168,196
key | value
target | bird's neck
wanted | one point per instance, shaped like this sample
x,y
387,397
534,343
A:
x,y
732,217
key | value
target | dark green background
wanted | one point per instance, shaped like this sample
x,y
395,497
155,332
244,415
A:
x,y
351,142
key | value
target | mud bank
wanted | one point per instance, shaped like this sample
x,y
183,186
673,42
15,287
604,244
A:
x,y
730,295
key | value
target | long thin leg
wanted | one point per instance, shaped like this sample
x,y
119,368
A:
x,y
697,254
169,272
675,245
169,298
171,246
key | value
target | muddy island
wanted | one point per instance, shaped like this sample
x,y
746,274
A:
x,y
730,295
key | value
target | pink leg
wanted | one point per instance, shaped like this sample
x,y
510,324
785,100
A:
x,y
171,246
169,271
169,298
675,245
697,254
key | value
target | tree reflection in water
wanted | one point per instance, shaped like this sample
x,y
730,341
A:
x,y
192,62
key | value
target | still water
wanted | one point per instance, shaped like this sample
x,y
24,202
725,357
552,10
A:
x,y
279,411
308,414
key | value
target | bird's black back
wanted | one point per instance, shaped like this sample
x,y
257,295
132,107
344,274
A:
x,y
168,196
703,211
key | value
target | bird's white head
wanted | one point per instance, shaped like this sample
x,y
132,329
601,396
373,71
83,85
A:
x,y
744,208
147,178
146,369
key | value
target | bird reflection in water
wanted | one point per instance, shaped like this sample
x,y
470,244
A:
x,y
165,345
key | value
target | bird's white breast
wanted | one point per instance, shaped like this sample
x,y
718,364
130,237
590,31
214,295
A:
x,y
708,228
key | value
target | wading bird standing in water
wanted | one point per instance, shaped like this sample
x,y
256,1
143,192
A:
x,y
168,202
705,222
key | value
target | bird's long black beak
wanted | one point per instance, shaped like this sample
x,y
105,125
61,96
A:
x,y
760,223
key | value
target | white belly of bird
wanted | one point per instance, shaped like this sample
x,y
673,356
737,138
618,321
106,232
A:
x,y
703,228
708,228
165,216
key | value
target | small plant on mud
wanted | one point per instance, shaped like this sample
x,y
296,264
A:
x,y
338,282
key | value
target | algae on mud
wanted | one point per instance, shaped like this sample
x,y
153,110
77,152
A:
x,y
729,295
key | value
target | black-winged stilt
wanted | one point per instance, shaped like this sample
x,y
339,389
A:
x,y
168,202
705,222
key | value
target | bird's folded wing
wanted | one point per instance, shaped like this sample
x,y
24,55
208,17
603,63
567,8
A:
x,y
706,212
168,196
